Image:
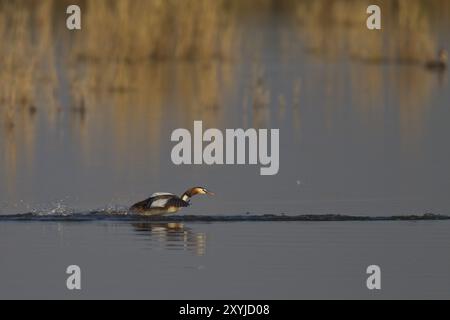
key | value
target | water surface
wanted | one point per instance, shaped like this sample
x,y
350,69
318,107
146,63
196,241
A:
x,y
228,260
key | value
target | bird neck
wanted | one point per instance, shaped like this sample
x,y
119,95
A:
x,y
185,196
190,193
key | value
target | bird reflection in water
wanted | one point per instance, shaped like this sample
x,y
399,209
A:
x,y
172,236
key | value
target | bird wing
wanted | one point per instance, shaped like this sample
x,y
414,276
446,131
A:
x,y
156,194
159,203
167,200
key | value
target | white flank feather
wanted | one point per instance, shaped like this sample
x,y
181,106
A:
x,y
159,203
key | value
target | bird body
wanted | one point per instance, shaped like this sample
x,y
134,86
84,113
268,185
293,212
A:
x,y
163,203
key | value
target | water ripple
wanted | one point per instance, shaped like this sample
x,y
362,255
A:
x,y
126,216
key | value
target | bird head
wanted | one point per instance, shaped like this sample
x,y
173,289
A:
x,y
201,190
194,191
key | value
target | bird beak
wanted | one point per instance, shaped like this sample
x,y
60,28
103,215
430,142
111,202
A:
x,y
211,193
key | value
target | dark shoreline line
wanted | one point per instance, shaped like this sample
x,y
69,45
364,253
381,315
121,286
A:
x,y
102,216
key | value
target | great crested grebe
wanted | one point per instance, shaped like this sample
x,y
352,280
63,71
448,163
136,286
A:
x,y
162,202
441,63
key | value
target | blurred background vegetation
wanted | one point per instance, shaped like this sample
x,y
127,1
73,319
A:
x,y
118,37
131,55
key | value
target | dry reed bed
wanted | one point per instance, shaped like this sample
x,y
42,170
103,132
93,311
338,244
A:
x,y
128,47
334,28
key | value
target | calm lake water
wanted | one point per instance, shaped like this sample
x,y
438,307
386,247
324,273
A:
x,y
245,260
364,131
